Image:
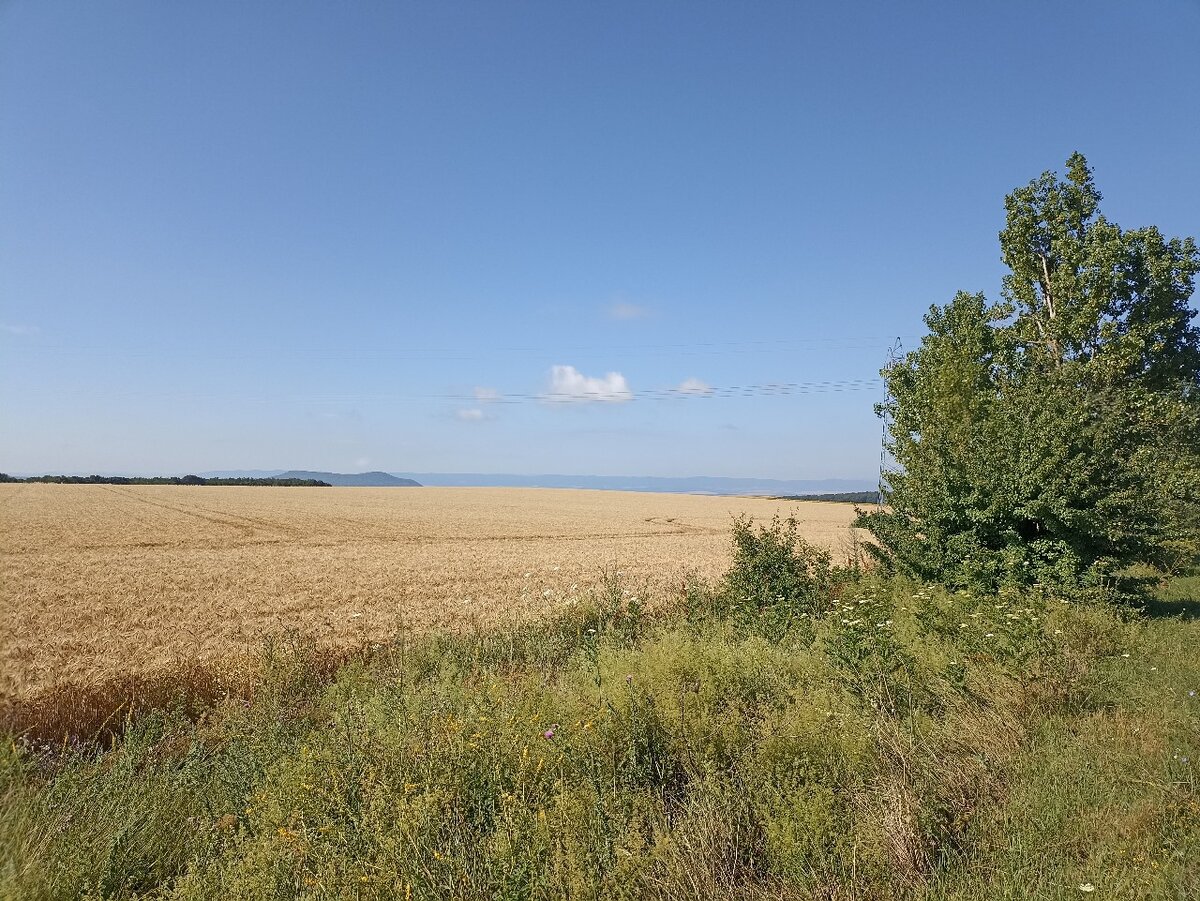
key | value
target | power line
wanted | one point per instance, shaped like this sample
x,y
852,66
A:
x,y
893,357
767,389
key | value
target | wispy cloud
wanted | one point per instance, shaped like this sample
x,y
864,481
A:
x,y
470,414
624,311
694,387
11,329
569,385
361,462
486,395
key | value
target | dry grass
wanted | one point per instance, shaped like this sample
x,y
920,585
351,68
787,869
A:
x,y
98,582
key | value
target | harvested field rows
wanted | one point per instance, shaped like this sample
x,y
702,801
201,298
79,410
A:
x,y
101,580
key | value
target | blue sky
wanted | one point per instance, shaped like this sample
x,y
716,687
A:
x,y
329,235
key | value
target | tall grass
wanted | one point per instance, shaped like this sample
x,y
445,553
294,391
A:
x,y
798,731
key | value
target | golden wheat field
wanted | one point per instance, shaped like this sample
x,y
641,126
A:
x,y
99,580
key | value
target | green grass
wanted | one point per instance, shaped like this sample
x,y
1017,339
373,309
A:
x,y
896,741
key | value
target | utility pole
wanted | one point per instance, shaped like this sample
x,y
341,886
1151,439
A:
x,y
893,356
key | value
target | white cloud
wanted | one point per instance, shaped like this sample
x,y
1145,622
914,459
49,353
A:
x,y
19,329
623,311
486,395
470,414
362,462
694,387
569,385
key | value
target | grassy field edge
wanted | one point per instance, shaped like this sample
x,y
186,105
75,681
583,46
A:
x,y
878,738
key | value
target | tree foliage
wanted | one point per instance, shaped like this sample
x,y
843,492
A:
x,y
1052,437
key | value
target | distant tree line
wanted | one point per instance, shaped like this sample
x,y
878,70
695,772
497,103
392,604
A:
x,y
165,480
841,497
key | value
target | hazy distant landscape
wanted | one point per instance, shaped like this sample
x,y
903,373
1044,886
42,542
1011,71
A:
x,y
717,485
720,485
674,484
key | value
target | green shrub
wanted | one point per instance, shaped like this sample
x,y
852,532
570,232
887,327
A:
x,y
776,578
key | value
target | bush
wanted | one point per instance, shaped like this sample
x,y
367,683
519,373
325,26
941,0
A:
x,y
776,577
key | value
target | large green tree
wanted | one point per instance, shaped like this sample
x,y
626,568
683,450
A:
x,y
1052,437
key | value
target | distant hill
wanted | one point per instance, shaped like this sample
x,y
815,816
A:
x,y
353,479
677,485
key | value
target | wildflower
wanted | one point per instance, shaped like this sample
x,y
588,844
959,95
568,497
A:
x,y
527,575
549,733
629,680
355,615
990,635
1086,887
1124,655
